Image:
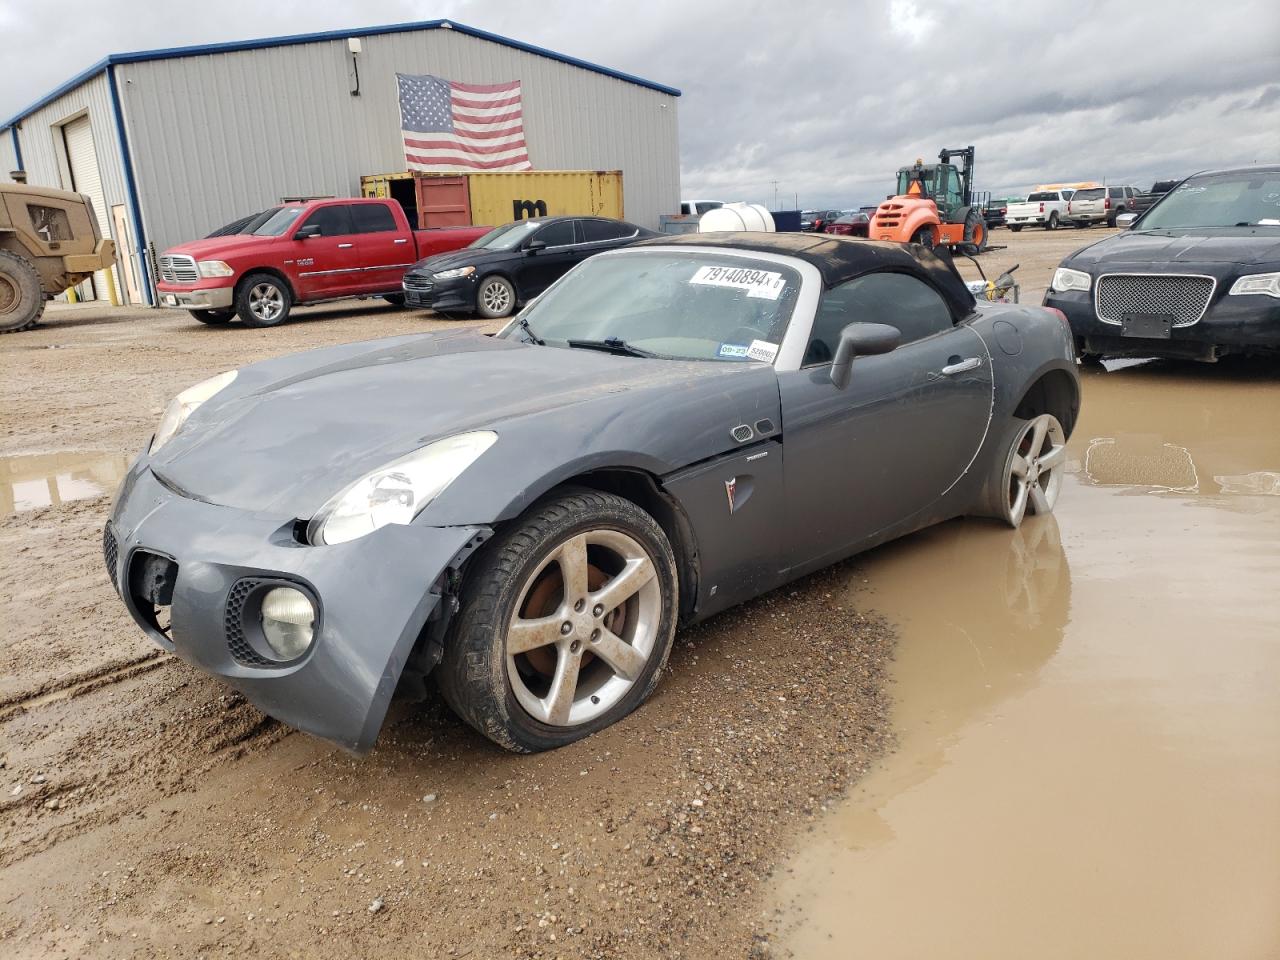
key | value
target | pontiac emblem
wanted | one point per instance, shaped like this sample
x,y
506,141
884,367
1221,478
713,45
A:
x,y
731,491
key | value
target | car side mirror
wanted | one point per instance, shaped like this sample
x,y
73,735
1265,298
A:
x,y
1125,220
861,339
533,246
307,231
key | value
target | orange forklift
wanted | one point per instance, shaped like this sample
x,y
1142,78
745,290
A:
x,y
934,206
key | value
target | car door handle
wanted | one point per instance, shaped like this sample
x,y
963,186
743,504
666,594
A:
x,y
345,246
964,366
402,240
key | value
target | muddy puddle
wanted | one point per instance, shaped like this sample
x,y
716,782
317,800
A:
x,y
32,481
1088,708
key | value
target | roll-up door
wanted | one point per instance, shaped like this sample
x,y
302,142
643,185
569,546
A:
x,y
82,160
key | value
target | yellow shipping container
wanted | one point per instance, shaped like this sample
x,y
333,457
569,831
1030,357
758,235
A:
x,y
445,199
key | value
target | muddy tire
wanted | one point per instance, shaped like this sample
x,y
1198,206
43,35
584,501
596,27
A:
x,y
1026,475
495,298
263,300
215,318
21,299
924,237
566,622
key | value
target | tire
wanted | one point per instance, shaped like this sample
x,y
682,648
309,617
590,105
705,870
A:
x,y
975,233
255,297
924,237
1015,227
21,299
511,698
1008,496
495,298
395,299
215,318
1052,222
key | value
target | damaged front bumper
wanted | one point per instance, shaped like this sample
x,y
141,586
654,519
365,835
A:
x,y
373,597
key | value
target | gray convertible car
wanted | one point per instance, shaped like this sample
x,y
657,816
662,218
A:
x,y
671,429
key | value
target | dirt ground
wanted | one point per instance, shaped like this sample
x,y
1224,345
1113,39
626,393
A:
x,y
148,810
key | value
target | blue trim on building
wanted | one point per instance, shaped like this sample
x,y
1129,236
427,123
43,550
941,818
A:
x,y
268,42
17,147
131,185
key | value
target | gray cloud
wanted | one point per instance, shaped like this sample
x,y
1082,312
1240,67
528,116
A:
x,y
828,99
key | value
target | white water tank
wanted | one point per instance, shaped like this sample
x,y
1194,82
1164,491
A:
x,y
735,217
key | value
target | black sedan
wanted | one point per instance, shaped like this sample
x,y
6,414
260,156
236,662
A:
x,y
1195,277
512,264
670,430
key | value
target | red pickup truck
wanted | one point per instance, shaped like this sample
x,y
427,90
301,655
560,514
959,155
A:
x,y
301,253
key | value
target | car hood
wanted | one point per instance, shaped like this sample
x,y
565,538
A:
x,y
1243,245
466,257
291,432
216,247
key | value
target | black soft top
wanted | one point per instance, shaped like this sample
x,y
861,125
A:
x,y
840,259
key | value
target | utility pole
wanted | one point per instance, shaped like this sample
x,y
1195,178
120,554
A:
x,y
775,193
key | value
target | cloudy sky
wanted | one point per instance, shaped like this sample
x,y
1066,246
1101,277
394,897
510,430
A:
x,y
826,98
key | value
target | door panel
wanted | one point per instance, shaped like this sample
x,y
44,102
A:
x,y
884,449
537,271
386,251
328,265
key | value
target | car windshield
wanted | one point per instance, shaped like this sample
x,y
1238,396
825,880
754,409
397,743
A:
x,y
674,304
279,222
1093,193
1219,200
508,236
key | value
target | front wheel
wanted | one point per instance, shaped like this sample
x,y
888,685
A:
x,y
495,298
924,237
1027,476
215,318
263,301
566,622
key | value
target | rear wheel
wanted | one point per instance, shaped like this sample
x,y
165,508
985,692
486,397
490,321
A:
x,y
21,299
1015,227
1028,476
1052,222
566,622
263,300
495,298
215,317
975,233
924,237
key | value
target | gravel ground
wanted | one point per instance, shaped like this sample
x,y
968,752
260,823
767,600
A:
x,y
146,810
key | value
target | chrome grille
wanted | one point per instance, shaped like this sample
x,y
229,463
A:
x,y
418,284
1185,297
175,269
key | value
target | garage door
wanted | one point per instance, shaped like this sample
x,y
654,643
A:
x,y
83,163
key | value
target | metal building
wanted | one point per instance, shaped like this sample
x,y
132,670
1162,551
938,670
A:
x,y
171,144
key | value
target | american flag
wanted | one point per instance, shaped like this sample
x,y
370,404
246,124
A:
x,y
450,126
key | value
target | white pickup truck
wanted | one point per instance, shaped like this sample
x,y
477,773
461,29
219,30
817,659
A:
x,y
1044,208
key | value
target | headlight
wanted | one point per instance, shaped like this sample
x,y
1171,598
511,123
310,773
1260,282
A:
x,y
454,273
397,492
184,404
1065,279
214,268
1267,284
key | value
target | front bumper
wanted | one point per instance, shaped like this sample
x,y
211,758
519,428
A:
x,y
374,598
195,298
1232,324
431,294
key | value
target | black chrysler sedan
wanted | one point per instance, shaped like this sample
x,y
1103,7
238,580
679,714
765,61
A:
x,y
1197,276
512,264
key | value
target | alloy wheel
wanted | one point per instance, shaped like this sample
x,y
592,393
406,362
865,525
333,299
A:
x,y
1033,474
496,297
585,624
266,302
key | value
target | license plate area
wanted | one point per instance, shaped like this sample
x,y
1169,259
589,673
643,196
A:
x,y
1148,326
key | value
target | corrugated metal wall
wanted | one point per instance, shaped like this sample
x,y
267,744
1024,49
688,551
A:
x,y
8,161
43,156
219,136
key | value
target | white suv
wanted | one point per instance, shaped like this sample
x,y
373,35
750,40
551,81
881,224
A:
x,y
1100,205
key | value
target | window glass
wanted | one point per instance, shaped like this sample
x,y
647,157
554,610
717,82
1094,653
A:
x,y
1042,197
333,221
373,218
49,222
1093,193
279,222
1246,198
559,234
1114,192
901,301
595,230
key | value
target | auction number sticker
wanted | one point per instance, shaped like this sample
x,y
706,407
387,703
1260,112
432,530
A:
x,y
762,350
766,284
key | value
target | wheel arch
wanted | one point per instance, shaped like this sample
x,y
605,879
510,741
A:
x,y
1055,391
270,271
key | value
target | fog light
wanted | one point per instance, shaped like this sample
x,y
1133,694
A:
x,y
288,622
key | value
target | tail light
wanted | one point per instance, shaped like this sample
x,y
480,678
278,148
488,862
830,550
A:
x,y
1107,204
1042,206
1068,206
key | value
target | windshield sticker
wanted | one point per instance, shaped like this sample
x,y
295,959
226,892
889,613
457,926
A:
x,y
733,349
758,283
762,350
